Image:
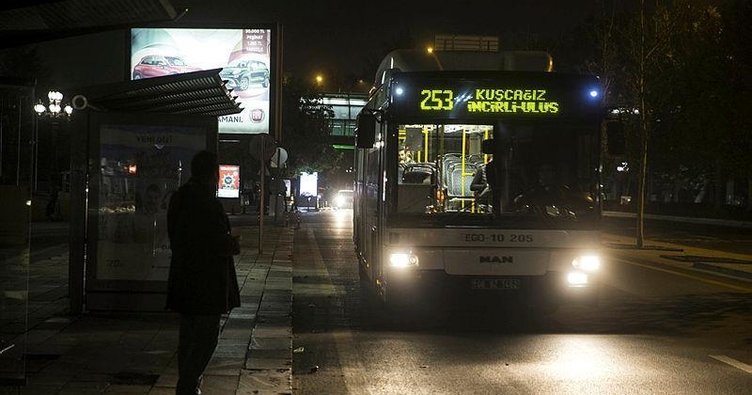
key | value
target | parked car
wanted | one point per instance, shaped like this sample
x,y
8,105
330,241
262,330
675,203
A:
x,y
244,73
158,65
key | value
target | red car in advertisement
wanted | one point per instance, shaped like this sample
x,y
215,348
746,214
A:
x,y
159,65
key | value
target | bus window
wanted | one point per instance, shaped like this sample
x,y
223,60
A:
x,y
507,169
436,167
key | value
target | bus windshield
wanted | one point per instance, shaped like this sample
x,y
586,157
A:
x,y
510,173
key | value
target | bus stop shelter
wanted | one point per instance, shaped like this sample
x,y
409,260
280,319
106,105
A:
x,y
132,143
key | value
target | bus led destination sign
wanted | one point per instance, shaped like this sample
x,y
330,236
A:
x,y
483,100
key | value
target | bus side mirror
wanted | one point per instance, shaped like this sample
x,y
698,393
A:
x,y
365,133
615,139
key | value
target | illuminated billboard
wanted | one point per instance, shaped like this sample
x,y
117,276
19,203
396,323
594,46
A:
x,y
229,181
243,54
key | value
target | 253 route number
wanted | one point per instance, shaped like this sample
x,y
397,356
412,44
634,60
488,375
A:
x,y
437,99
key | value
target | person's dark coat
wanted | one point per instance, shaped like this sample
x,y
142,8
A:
x,y
202,277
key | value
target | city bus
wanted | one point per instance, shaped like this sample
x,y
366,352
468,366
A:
x,y
479,181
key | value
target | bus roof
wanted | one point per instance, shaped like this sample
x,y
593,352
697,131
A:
x,y
408,60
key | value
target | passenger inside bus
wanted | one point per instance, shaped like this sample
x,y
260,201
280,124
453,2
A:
x,y
405,156
485,183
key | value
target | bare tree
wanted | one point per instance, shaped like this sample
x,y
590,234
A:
x,y
646,43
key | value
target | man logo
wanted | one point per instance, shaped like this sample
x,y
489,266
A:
x,y
497,259
257,115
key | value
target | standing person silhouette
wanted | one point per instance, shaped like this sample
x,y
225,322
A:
x,y
202,283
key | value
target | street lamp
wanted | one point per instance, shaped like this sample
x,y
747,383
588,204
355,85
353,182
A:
x,y
54,109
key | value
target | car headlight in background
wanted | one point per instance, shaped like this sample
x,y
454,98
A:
x,y
402,260
339,201
588,263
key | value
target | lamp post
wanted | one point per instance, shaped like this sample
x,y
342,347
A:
x,y
54,111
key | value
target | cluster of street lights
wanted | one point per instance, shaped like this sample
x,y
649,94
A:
x,y
54,109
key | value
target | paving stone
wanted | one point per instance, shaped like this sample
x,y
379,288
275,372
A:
x,y
262,330
167,380
219,384
128,389
77,387
271,343
30,390
268,363
162,391
95,347
221,366
280,318
265,382
235,331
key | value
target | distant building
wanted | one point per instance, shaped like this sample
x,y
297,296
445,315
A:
x,y
346,107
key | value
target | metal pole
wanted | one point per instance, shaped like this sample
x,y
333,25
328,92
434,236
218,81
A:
x,y
278,84
2,110
18,153
276,195
35,133
263,192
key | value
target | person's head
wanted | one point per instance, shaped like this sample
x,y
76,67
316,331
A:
x,y
204,167
405,156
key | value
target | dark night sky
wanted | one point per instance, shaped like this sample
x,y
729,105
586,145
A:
x,y
344,39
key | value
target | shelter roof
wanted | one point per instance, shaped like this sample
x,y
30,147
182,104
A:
x,y
197,93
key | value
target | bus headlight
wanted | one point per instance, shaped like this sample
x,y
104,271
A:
x,y
588,263
402,260
577,279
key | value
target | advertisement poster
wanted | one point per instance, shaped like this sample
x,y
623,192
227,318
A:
x,y
243,54
140,168
229,181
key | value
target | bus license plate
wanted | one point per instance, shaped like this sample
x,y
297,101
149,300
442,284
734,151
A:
x,y
495,283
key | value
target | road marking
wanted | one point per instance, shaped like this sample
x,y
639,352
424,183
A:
x,y
733,362
694,277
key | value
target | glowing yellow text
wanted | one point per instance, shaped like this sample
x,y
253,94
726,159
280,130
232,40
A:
x,y
437,99
487,100
512,101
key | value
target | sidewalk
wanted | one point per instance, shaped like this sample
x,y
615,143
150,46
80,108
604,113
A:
x,y
135,353
717,262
